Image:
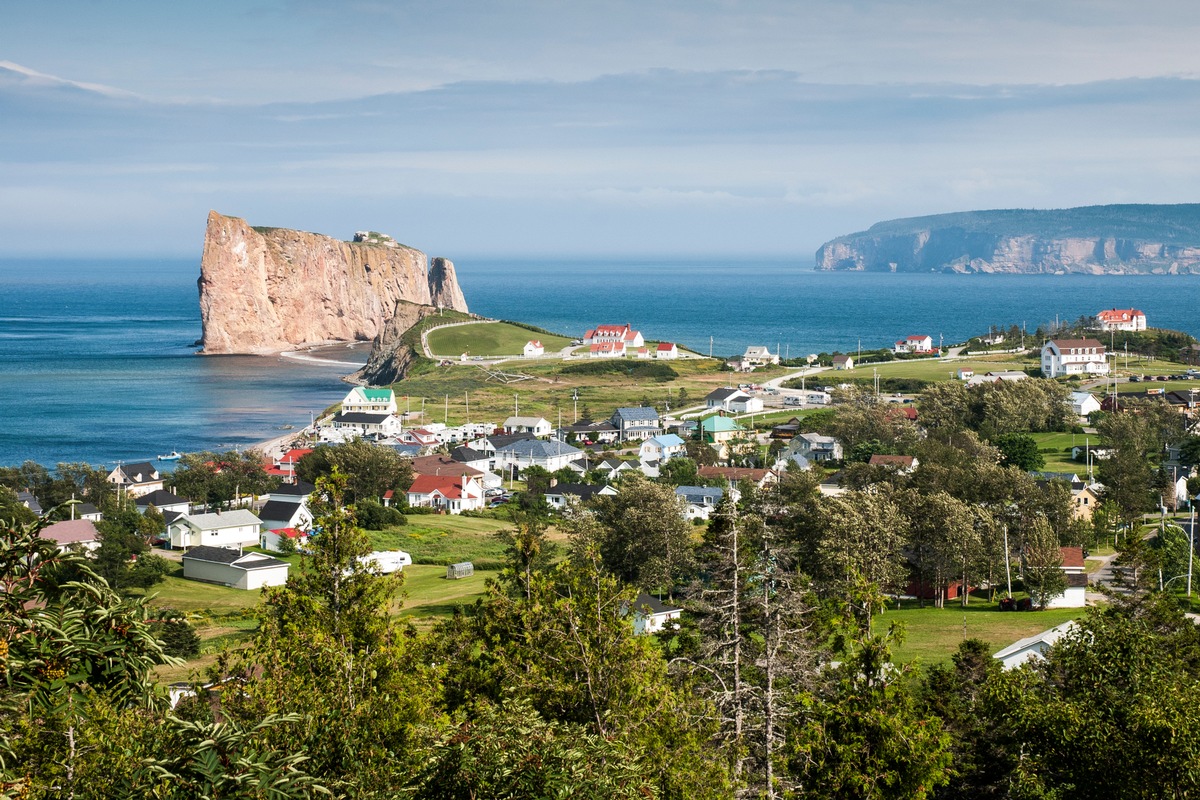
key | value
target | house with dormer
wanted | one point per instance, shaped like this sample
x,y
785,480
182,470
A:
x,y
636,423
447,493
369,401
624,334
136,479
1073,357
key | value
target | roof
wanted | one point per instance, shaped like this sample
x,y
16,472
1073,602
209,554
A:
x,y
143,468
891,461
698,495
1075,344
653,604
294,489
815,439
604,347
159,498
71,531
536,448
534,342
1045,637
723,394
1072,556
583,491
378,395
529,422
840,359
86,508
290,533
667,440
636,414
666,346
915,338
464,454
450,486
445,465
362,417
227,519
233,558
294,455
719,424
1119,315
278,510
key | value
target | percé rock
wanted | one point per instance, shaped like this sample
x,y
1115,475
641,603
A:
x,y
1117,239
266,290
391,356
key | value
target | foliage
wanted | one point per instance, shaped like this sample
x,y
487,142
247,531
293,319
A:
x,y
643,538
1019,450
214,479
375,516
1042,564
652,370
178,637
369,470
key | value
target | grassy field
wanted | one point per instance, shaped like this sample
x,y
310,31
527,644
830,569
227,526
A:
x,y
931,370
489,339
445,540
431,596
932,634
1056,449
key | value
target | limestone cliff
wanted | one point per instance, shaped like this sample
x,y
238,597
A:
x,y
265,290
1094,240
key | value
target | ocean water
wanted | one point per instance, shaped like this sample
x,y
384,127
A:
x,y
98,364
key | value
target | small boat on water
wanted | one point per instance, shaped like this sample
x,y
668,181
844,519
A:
x,y
174,455
285,427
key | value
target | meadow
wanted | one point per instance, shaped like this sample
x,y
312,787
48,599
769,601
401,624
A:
x,y
489,339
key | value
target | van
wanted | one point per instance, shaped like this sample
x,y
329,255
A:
x,y
792,400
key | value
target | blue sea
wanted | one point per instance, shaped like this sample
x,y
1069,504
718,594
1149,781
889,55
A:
x,y
98,364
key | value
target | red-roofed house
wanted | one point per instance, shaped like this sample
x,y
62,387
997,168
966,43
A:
x,y
270,540
614,333
69,532
1121,319
451,494
285,465
915,344
534,348
607,349
1076,594
666,350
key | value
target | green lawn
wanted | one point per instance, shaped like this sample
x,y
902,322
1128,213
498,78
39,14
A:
x,y
933,634
928,370
1056,449
489,339
431,596
449,539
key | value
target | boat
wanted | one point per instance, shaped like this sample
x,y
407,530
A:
x,y
174,455
286,427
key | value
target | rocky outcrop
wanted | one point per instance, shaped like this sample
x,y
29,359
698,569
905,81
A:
x,y
1090,240
391,354
265,290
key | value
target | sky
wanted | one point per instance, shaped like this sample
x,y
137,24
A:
x,y
628,128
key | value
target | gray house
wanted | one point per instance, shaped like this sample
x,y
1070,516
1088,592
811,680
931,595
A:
x,y
636,423
807,449
233,568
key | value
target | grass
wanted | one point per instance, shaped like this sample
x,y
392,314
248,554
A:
x,y
1056,449
489,339
431,596
933,634
927,369
445,540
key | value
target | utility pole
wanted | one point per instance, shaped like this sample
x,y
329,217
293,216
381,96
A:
x,y
575,399
467,397
1007,567
710,345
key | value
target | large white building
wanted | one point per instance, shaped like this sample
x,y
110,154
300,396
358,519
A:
x,y
1073,357
1121,319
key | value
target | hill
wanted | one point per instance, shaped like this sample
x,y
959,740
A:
x,y
1114,239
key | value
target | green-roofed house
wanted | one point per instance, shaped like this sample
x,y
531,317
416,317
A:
x,y
718,430
369,401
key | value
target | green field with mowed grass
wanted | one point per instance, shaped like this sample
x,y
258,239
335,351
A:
x,y
489,339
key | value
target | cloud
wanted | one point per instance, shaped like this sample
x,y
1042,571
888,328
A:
x,y
17,75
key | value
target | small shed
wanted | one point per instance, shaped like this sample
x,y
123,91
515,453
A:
x,y
463,569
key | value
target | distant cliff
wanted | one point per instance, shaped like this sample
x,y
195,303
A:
x,y
265,290
1118,239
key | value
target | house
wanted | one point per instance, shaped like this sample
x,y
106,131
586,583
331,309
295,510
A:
x,y
533,349
297,492
439,464
549,455
538,426
901,464
650,615
237,528
1083,403
26,498
663,447
720,399
79,532
285,514
813,448
136,479
623,334
644,352
86,511
1031,648
997,377
233,568
612,468
914,344
364,400
785,431
589,432
964,373
285,465
718,430
1073,357
759,357
666,350
363,423
700,501
560,494
420,438
636,423
476,460
606,349
761,478
843,362
448,493
272,539
1073,566
1121,319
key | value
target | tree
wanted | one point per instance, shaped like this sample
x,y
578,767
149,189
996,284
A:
x,y
369,470
123,558
179,638
1019,450
1128,473
527,550
216,479
537,480
678,472
1041,559
646,540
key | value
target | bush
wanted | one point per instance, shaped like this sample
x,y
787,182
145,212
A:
x,y
179,638
375,517
654,370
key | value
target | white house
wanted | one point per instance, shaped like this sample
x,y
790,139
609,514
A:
x,y
272,539
666,350
759,357
363,423
237,528
1031,648
636,422
965,373
843,362
663,447
364,400
1073,357
233,568
550,455
164,501
914,344
700,501
624,334
136,479
453,494
538,426
1073,566
723,399
1083,403
533,349
79,532
1121,319
606,349
560,494
650,615
286,514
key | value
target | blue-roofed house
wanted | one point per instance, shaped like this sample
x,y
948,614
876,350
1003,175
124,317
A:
x,y
700,501
636,423
551,455
663,447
